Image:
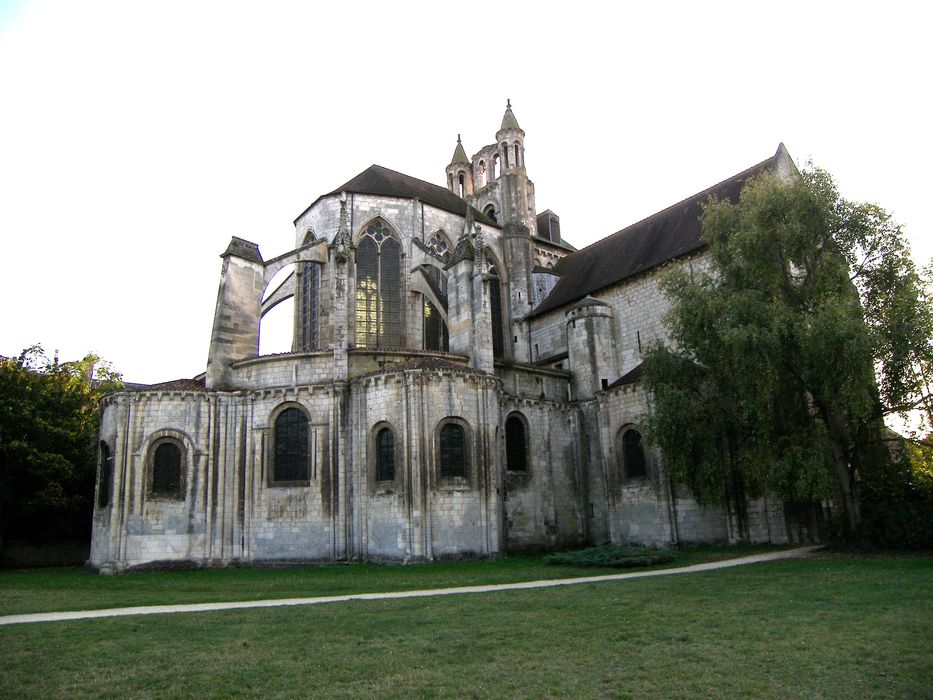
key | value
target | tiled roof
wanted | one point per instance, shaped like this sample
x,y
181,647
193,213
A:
x,y
669,234
383,182
173,385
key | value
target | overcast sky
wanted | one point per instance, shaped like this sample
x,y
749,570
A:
x,y
137,137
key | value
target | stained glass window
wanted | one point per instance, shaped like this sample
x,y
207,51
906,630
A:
x,y
378,289
310,282
291,446
166,470
633,455
436,336
516,456
385,455
452,450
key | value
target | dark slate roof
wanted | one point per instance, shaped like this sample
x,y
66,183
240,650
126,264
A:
x,y
669,234
196,384
629,377
383,182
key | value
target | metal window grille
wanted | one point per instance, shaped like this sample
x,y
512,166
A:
x,y
291,446
452,448
166,470
385,455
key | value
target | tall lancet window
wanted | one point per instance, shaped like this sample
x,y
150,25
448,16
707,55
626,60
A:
x,y
378,289
495,311
309,284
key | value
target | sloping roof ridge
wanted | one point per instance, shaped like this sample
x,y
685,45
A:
x,y
698,197
440,191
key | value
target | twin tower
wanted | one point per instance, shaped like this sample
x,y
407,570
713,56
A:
x,y
495,182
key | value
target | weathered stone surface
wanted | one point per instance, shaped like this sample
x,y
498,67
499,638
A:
x,y
556,373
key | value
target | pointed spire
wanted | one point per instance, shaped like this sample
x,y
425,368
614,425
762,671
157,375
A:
x,y
460,156
508,119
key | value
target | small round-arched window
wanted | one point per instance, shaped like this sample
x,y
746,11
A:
x,y
634,465
166,471
516,445
385,455
452,450
290,458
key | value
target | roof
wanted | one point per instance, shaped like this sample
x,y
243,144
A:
x,y
196,384
380,181
460,155
508,119
630,377
669,234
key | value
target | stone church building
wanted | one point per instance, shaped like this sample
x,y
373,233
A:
x,y
462,382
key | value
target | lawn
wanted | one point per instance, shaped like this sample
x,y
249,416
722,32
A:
x,y
47,590
833,627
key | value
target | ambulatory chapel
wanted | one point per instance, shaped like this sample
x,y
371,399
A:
x,y
462,381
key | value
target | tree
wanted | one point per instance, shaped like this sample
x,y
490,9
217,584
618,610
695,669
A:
x,y
811,325
48,443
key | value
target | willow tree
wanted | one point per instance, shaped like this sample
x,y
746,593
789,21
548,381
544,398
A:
x,y
810,326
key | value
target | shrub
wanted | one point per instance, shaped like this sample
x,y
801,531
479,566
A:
x,y
620,557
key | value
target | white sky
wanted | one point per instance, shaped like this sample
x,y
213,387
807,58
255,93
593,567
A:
x,y
137,137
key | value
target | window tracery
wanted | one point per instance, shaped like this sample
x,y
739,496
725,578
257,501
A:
x,y
378,289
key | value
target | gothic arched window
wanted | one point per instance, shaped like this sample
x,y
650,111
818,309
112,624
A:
x,y
633,455
495,312
436,336
516,444
166,471
290,453
378,289
385,455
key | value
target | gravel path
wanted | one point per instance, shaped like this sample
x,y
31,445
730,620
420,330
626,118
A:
x,y
425,593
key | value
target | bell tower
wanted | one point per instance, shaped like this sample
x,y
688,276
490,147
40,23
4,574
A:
x,y
460,173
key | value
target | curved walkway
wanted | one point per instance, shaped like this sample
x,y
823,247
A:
x,y
424,593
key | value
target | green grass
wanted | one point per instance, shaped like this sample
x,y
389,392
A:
x,y
48,590
822,628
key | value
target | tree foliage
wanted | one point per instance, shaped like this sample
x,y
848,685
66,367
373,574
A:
x,y
811,324
48,443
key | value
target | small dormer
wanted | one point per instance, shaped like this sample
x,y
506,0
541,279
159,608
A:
x,y
548,224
